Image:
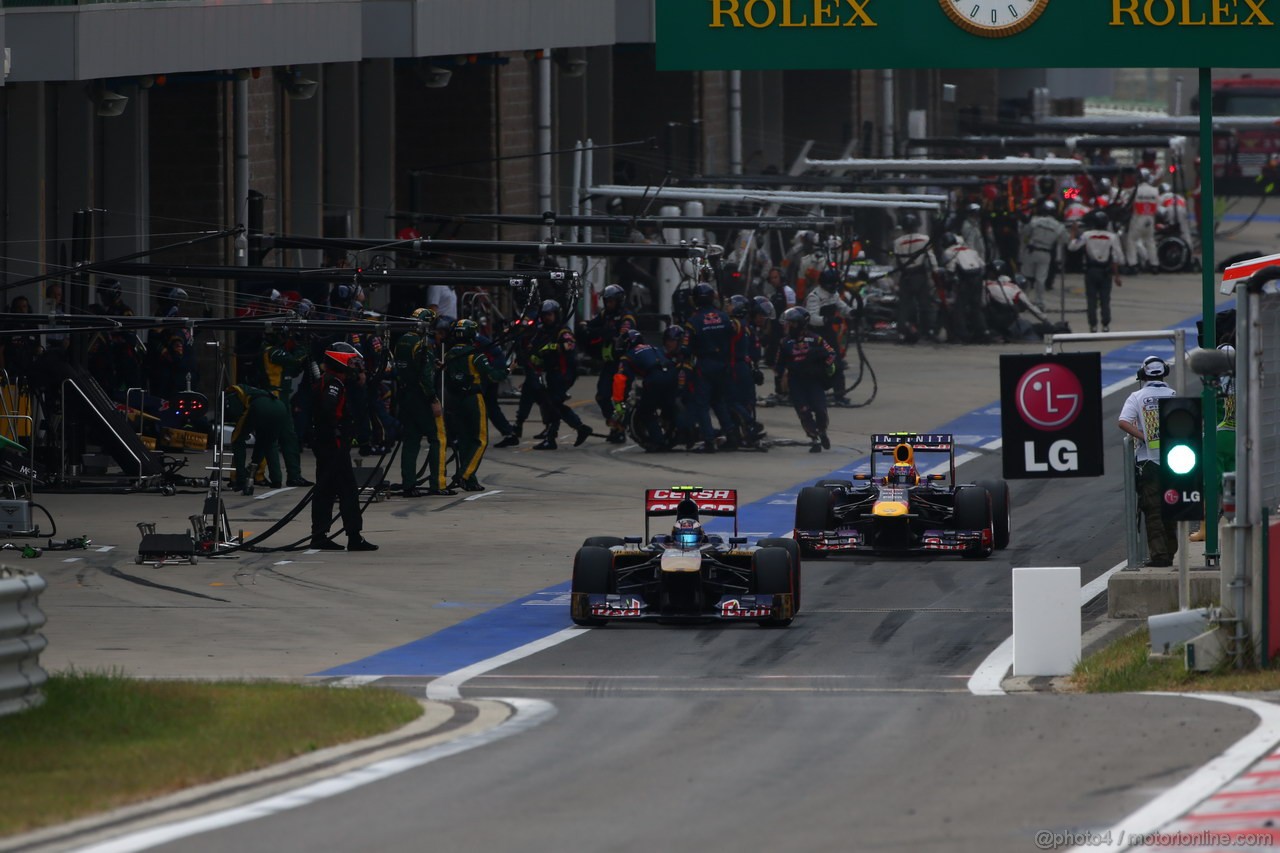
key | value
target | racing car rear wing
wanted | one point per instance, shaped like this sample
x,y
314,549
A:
x,y
926,442
707,502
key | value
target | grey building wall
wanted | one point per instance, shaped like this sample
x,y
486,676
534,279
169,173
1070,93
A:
x,y
120,40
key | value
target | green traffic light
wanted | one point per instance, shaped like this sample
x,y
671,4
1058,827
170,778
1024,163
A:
x,y
1181,459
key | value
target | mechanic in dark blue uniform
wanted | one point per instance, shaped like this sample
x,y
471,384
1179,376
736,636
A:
x,y
641,361
600,334
710,340
682,395
806,362
526,329
555,358
745,373
497,357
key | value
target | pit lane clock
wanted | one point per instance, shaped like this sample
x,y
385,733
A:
x,y
994,18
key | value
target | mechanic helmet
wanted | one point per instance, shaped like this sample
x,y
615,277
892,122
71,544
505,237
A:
x,y
829,278
175,294
1146,176
973,208
999,268
795,316
910,221
426,317
1165,188
704,295
834,243
343,356
550,306
1104,186
464,331
1049,207
1046,184
762,307
628,340
613,291
1098,219
951,239
444,324
108,290
688,533
739,306
1153,367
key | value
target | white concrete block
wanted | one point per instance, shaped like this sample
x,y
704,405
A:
x,y
1046,620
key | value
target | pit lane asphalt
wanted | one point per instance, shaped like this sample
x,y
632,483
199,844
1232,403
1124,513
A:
x,y
851,729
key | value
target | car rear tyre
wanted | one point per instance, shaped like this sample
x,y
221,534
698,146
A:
x,y
813,512
973,512
772,570
1001,512
793,551
602,542
593,575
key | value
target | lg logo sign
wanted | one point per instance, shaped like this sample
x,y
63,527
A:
x,y
1050,415
1049,398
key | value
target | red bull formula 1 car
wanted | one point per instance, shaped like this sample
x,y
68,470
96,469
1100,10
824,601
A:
x,y
688,574
896,510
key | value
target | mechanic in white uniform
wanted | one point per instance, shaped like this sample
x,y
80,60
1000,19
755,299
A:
x,y
1140,418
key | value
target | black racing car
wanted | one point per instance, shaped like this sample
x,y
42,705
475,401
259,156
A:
x,y
898,511
688,574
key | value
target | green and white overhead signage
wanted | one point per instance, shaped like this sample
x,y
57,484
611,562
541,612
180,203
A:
x,y
800,34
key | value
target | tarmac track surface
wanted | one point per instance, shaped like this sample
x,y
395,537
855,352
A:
x,y
852,729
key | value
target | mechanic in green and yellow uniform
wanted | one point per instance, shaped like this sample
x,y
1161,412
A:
x,y
465,370
282,362
256,411
420,412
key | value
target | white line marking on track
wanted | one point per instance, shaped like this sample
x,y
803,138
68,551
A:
x,y
445,688
1202,783
71,560
987,677
105,548
265,495
356,680
528,713
311,551
484,495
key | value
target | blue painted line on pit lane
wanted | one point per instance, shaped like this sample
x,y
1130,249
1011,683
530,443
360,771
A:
x,y
1261,217
542,613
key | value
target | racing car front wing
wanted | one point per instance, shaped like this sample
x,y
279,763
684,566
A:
x,y
758,608
852,541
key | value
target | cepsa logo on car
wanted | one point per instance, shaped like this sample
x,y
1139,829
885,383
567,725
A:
x,y
708,500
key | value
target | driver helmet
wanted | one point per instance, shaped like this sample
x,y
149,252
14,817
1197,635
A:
x,y
739,306
688,533
902,475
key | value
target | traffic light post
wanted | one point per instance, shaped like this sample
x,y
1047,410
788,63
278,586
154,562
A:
x,y
1182,475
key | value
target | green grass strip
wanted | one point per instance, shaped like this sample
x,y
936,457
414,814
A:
x,y
104,741
1124,667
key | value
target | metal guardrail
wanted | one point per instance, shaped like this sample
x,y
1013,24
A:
x,y
21,618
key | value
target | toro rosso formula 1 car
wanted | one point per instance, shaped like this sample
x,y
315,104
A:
x,y
688,574
895,510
